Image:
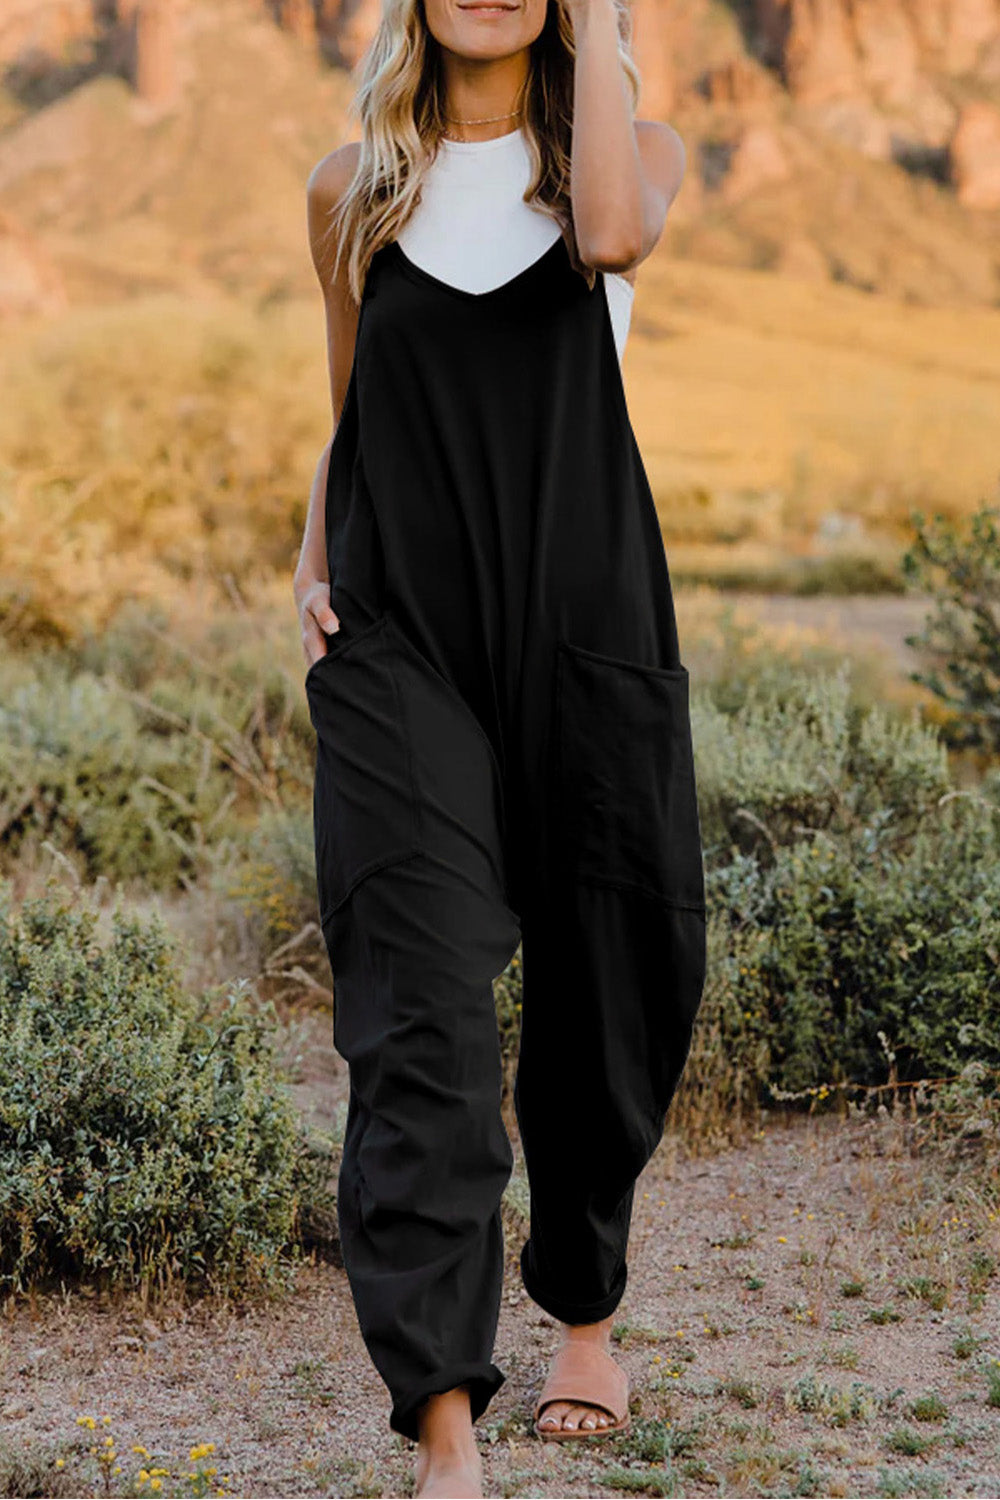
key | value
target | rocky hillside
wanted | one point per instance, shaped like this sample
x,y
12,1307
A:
x,y
149,143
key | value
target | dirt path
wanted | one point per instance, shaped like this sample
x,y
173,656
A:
x,y
788,1303
877,621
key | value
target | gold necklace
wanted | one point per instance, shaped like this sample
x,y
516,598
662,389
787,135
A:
x,y
486,120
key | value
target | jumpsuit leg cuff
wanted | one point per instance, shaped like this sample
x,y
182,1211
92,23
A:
x,y
483,1381
571,1312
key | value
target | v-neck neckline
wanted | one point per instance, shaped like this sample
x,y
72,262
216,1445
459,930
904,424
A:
x,y
418,273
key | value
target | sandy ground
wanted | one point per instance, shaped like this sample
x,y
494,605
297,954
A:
x,y
788,1303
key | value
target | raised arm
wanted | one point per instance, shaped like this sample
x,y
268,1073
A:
x,y
625,172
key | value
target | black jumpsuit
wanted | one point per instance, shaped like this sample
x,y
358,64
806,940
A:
x,y
503,753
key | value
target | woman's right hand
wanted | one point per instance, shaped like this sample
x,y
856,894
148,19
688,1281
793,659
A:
x,y
316,619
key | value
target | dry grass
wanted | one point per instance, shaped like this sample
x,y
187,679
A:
x,y
763,406
151,445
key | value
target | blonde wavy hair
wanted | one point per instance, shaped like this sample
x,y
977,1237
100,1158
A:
x,y
400,105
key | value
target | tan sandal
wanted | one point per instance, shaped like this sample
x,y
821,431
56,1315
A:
x,y
586,1374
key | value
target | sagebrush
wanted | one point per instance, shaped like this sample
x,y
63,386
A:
x,y
146,1134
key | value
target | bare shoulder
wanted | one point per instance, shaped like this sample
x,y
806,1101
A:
x,y
663,154
328,182
330,178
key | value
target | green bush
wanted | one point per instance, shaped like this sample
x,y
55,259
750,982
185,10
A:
x,y
960,642
796,752
852,890
859,891
728,1069
274,879
145,1133
79,773
145,781
849,935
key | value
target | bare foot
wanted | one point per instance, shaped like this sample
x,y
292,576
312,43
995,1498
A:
x,y
448,1462
572,1414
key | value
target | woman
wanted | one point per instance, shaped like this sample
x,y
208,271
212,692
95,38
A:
x,y
503,740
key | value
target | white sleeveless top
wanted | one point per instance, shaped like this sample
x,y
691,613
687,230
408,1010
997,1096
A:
x,y
473,230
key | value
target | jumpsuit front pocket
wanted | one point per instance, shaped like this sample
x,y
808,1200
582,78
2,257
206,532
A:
x,y
624,785
364,798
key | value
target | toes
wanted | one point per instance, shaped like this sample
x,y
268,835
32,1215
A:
x,y
586,1418
594,1418
553,1414
573,1415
